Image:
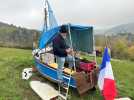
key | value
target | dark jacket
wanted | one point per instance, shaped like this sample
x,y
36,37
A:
x,y
59,46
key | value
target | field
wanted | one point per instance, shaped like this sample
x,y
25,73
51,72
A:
x,y
12,87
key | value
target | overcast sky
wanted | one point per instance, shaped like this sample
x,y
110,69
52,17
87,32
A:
x,y
99,13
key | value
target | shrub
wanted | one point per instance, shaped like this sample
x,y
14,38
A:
x,y
120,49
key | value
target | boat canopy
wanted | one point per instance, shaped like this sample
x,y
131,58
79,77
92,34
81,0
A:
x,y
81,37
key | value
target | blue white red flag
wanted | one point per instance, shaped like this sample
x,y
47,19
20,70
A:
x,y
106,80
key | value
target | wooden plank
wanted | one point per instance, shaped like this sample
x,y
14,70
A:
x,y
44,90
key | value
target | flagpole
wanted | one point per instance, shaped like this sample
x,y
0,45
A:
x,y
107,43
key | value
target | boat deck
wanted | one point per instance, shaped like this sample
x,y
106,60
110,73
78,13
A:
x,y
66,70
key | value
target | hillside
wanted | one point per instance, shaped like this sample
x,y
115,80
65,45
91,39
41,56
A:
x,y
12,36
123,28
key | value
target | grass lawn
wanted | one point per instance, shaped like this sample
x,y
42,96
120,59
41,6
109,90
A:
x,y
12,87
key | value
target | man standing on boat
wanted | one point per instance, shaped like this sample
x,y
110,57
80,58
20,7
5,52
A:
x,y
62,51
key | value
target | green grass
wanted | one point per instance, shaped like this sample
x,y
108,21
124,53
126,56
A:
x,y
12,87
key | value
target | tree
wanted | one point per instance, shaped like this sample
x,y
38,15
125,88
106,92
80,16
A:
x,y
131,52
120,49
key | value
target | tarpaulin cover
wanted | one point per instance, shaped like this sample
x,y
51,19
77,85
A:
x,y
82,37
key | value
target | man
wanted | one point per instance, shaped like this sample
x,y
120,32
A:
x,y
62,51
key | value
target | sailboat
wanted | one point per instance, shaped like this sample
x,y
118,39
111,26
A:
x,y
81,39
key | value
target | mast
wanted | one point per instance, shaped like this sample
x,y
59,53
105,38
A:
x,y
45,17
49,18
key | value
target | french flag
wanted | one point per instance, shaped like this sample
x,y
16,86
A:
x,y
106,80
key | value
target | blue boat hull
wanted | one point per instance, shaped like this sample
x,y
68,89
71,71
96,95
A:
x,y
51,73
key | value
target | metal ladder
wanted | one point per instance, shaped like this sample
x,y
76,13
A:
x,y
64,95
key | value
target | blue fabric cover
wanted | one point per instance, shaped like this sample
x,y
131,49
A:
x,y
48,36
80,35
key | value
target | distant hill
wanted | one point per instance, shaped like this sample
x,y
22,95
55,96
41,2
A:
x,y
12,36
99,31
123,28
